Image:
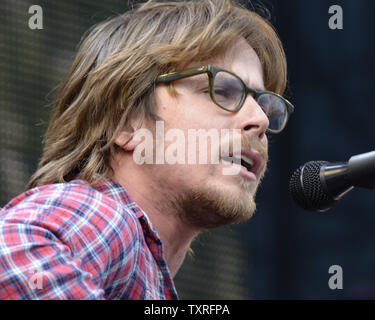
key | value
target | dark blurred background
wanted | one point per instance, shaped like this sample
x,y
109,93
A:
x,y
283,252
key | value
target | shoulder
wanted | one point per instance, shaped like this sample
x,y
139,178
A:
x,y
101,233
73,209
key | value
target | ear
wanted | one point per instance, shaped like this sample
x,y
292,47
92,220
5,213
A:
x,y
125,140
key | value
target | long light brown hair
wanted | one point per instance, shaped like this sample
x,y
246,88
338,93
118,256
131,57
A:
x,y
112,77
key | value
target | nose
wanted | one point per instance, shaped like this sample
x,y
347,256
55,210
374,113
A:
x,y
253,120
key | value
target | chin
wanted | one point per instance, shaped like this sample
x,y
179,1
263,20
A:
x,y
214,206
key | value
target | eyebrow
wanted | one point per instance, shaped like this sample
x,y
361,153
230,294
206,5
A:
x,y
195,80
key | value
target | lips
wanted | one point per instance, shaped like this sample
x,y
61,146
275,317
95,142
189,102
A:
x,y
251,160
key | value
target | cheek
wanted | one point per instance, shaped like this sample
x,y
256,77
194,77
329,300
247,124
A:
x,y
264,141
181,178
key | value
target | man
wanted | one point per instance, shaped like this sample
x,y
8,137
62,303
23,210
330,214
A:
x,y
98,223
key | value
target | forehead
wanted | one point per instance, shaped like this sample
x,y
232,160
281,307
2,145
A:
x,y
242,60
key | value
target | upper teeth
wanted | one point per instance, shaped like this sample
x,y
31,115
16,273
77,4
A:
x,y
247,160
237,159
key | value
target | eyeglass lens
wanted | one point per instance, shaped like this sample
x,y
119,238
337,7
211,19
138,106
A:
x,y
228,92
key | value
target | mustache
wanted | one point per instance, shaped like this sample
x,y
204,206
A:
x,y
250,143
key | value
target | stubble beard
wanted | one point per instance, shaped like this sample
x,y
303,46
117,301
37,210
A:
x,y
208,206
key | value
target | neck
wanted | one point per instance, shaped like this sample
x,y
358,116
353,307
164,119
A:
x,y
158,202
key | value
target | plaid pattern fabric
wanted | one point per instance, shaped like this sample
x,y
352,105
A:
x,y
74,241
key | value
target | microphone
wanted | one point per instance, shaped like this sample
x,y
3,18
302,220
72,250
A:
x,y
318,185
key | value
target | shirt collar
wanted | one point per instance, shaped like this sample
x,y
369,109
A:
x,y
117,192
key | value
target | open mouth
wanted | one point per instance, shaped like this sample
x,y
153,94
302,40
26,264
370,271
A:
x,y
241,160
248,159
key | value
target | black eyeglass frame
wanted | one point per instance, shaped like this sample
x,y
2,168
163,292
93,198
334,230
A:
x,y
211,72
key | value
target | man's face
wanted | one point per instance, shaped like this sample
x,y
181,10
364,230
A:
x,y
201,193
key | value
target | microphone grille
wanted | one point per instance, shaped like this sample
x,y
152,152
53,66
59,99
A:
x,y
306,188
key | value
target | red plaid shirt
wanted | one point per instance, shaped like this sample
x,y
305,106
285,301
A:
x,y
74,241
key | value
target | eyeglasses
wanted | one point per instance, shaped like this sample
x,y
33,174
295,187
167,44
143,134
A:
x,y
229,92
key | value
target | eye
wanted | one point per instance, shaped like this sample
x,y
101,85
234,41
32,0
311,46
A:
x,y
205,90
222,92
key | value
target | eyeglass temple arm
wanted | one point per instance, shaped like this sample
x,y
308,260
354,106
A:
x,y
289,106
164,78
